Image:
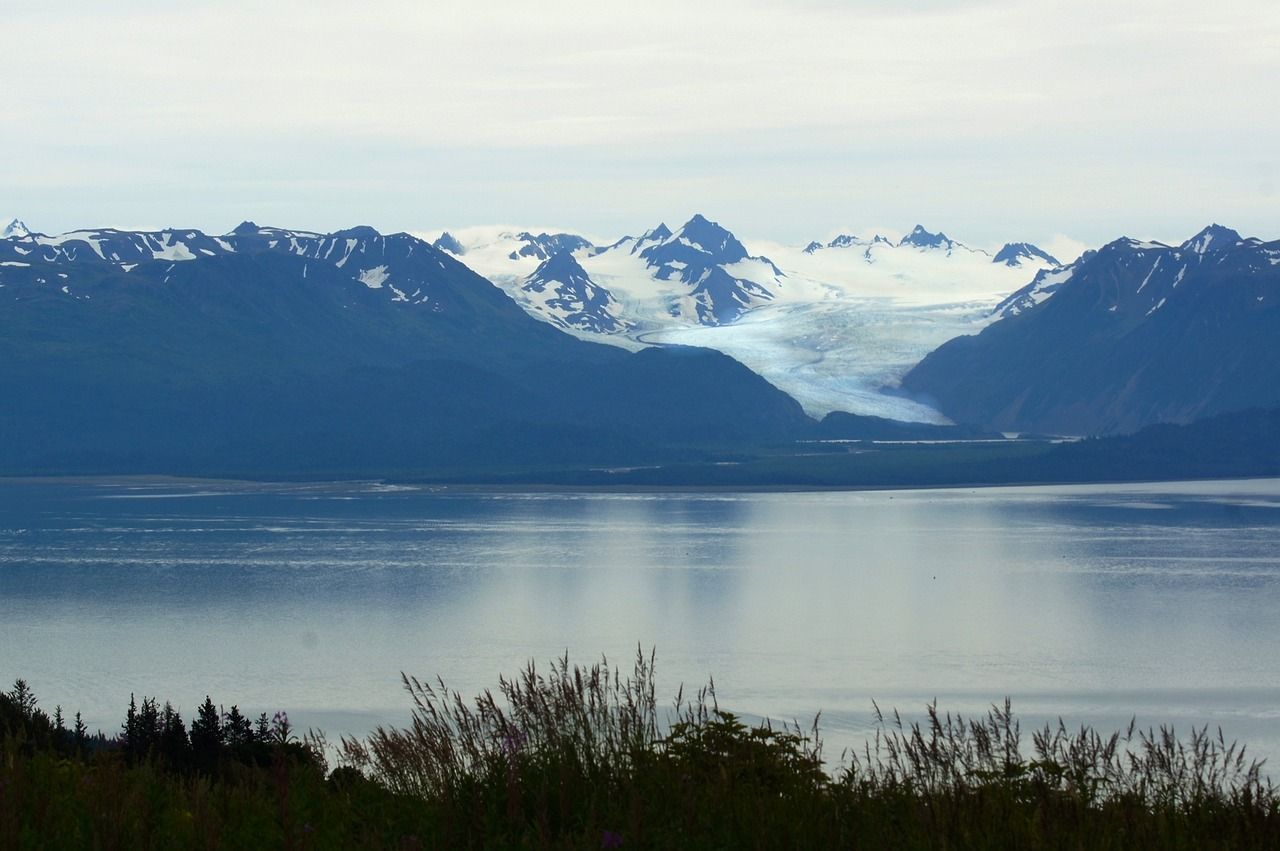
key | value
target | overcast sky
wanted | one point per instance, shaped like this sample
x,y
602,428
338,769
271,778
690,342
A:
x,y
1045,121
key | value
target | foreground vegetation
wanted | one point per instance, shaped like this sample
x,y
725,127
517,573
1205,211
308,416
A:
x,y
586,758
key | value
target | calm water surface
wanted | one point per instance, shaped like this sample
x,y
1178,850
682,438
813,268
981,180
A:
x,y
1091,602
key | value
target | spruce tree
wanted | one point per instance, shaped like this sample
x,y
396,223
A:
x,y
80,734
174,745
148,726
23,696
238,729
129,733
206,735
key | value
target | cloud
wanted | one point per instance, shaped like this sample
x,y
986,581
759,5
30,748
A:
x,y
981,117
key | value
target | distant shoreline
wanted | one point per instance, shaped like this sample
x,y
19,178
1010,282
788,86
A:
x,y
534,487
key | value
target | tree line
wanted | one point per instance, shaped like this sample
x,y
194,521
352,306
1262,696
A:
x,y
153,732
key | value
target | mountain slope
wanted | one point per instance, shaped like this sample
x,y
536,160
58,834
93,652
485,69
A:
x,y
831,323
570,298
274,351
706,257
1135,333
1021,253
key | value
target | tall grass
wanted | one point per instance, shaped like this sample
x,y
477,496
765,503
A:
x,y
590,719
583,755
948,753
587,757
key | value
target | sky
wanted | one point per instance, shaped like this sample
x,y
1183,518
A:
x,y
1061,123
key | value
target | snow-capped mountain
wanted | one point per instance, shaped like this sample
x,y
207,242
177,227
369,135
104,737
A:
x,y
267,349
649,238
447,242
832,322
399,266
541,246
1042,286
924,240
1134,333
561,290
714,266
845,240
1023,253
700,274
111,246
1011,254
853,315
16,229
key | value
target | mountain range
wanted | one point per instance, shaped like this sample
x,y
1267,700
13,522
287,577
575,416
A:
x,y
1014,254
265,349
286,350
699,274
1132,334
831,324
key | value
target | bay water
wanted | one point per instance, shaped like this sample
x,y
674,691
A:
x,y
1091,603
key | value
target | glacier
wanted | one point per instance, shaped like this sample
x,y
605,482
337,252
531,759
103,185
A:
x,y
834,325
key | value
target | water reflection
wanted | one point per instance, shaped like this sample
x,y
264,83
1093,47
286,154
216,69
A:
x,y
1093,602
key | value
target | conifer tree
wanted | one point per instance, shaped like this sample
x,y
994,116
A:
x,y
80,734
23,696
206,735
148,726
174,745
238,729
129,737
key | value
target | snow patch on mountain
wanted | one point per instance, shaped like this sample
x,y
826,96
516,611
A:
x,y
170,249
1045,284
1213,238
16,229
374,278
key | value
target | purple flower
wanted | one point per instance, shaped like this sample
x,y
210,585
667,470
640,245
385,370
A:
x,y
609,839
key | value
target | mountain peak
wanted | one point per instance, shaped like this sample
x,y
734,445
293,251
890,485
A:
x,y
921,238
245,228
1213,238
16,229
448,242
714,239
844,240
561,266
541,246
659,233
573,300
358,232
1013,253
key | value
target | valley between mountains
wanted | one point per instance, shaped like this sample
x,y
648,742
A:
x,y
496,354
